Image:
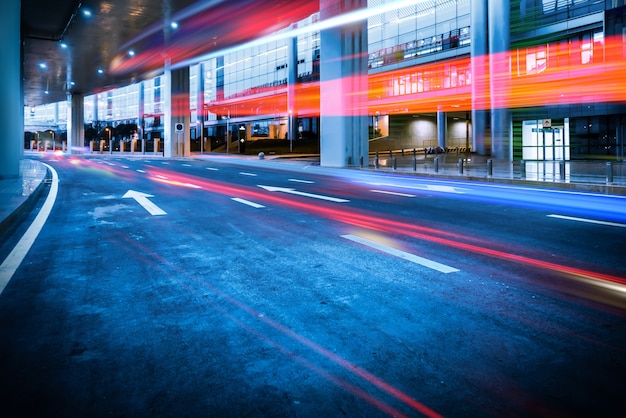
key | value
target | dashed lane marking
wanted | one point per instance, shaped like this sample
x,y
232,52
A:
x,y
247,202
591,221
402,254
392,193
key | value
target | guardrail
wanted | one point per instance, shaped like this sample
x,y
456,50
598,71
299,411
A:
x,y
471,165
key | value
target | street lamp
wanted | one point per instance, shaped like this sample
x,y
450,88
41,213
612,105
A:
x,y
53,141
110,139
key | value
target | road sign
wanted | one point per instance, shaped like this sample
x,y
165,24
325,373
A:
x,y
547,123
179,128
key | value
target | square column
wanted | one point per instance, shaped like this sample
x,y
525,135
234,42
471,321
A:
x,y
176,112
343,87
11,97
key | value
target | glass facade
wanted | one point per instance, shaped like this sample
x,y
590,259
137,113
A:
x,y
419,64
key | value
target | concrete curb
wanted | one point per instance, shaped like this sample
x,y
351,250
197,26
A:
x,y
25,206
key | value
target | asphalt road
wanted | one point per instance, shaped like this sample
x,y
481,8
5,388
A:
x,y
243,288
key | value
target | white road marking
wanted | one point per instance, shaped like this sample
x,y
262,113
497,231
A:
x,y
301,181
212,169
427,187
140,171
15,258
247,202
243,173
294,191
142,199
186,165
591,221
402,254
393,193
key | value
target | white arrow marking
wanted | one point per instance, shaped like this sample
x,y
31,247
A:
x,y
294,191
430,187
142,199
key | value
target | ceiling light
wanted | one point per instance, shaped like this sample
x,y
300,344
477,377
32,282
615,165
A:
x,y
100,71
174,25
86,12
131,53
43,65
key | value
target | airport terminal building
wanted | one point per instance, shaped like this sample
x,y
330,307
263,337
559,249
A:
x,y
516,80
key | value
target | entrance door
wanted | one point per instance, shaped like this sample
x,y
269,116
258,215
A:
x,y
553,144
544,144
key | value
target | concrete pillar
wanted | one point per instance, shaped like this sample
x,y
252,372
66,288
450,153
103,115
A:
x,y
442,127
292,79
200,107
499,12
480,76
140,115
76,123
11,97
176,98
343,87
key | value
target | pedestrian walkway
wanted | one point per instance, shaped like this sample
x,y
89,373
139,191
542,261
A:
x,y
591,176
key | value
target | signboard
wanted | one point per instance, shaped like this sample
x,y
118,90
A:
x,y
179,128
547,123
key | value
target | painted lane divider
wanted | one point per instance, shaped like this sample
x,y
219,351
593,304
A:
x,y
301,181
591,221
142,199
296,192
402,254
392,193
247,202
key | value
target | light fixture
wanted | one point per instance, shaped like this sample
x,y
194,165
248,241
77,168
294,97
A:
x,y
86,12
43,65
131,53
174,25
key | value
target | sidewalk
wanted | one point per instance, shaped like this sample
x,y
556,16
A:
x,y
20,194
587,176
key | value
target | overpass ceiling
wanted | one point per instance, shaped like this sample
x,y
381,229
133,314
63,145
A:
x,y
85,54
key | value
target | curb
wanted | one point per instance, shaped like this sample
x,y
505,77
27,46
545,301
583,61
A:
x,y
26,206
